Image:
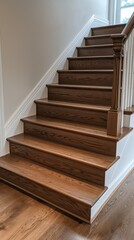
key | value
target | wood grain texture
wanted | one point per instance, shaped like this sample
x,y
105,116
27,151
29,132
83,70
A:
x,y
95,50
22,217
62,191
96,40
75,112
112,29
91,63
114,115
114,122
85,165
73,135
83,77
96,95
85,142
64,153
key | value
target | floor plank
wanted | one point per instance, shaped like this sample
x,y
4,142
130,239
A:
x,y
24,218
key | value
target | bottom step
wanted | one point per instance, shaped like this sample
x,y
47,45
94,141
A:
x,y
68,194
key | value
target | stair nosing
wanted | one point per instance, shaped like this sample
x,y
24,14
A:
x,y
92,134
87,71
59,154
98,36
125,131
110,26
22,174
79,131
101,88
95,46
73,105
91,57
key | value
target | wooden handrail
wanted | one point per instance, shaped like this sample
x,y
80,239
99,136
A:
x,y
115,113
129,26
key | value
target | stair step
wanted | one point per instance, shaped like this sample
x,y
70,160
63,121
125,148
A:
x,y
112,29
91,63
70,195
85,165
76,112
95,50
78,135
82,94
100,39
86,129
86,77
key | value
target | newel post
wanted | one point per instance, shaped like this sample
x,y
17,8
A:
x,y
115,113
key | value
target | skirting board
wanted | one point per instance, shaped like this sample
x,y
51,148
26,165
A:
x,y
13,125
119,171
98,206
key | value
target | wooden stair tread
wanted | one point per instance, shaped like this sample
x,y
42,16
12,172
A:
x,y
110,26
87,71
80,87
129,110
95,46
98,36
73,105
81,191
108,29
91,57
70,126
79,155
81,128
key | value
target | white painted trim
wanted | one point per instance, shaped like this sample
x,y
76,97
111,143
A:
x,y
117,173
2,137
114,11
95,210
27,108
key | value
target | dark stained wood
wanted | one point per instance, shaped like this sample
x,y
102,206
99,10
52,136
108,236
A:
x,y
99,132
94,62
112,29
95,50
86,77
64,153
129,111
76,112
60,190
100,39
73,139
117,47
114,122
22,217
114,115
97,95
84,165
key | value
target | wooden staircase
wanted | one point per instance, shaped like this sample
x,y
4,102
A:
x,y
64,153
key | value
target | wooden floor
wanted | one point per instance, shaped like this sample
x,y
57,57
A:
x,y
24,218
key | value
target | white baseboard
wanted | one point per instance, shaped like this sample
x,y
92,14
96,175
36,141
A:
x,y
117,173
13,125
110,191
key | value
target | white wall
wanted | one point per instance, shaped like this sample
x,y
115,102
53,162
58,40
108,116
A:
x,y
33,34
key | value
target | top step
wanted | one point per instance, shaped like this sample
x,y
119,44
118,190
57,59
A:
x,y
112,29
